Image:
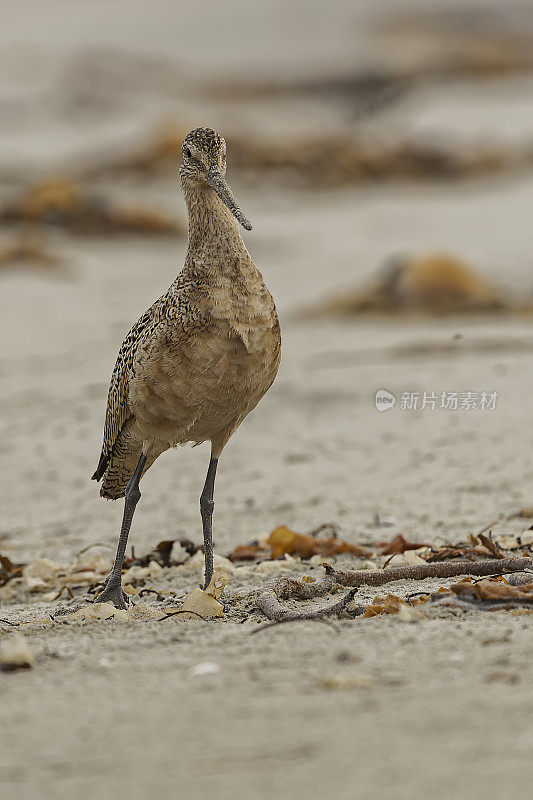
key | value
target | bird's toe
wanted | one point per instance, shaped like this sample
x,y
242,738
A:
x,y
113,593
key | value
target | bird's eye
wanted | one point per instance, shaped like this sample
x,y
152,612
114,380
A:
x,y
188,152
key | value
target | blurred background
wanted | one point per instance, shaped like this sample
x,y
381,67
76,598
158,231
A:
x,y
383,150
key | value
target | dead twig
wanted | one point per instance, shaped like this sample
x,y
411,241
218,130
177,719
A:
x,y
158,595
278,589
419,572
177,613
68,591
275,623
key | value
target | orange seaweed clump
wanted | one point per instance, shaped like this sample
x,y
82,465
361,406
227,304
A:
x,y
69,206
284,541
433,283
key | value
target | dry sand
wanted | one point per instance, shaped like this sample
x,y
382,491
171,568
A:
x,y
377,708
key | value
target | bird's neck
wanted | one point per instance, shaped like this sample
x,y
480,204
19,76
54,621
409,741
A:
x,y
213,230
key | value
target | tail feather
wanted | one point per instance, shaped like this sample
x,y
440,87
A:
x,y
101,468
116,469
120,465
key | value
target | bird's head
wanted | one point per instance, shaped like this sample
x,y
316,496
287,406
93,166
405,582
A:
x,y
203,161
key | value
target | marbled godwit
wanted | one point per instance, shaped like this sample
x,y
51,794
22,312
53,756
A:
x,y
199,360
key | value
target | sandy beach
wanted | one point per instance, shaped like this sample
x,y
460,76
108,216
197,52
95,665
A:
x,y
436,706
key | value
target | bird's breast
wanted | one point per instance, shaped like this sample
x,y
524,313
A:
x,y
201,383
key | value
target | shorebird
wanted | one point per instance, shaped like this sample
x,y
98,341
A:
x,y
199,360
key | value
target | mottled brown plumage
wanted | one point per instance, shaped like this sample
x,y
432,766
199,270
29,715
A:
x,y
202,356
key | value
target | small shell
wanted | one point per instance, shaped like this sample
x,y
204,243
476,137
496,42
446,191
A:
x,y
202,605
97,612
15,653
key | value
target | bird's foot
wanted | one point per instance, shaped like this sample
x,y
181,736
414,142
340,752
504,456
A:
x,y
113,593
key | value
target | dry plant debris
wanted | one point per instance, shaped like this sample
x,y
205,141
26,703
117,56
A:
x,y
434,283
340,160
28,250
160,150
67,205
391,604
9,570
49,579
490,594
334,160
278,589
162,554
502,560
422,571
399,545
282,541
460,552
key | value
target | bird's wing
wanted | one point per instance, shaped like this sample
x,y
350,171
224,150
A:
x,y
118,411
175,308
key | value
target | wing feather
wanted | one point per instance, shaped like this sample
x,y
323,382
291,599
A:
x,y
118,411
174,307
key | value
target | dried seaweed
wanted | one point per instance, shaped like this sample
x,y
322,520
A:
x,y
494,589
489,594
435,283
247,552
339,160
282,541
278,589
324,161
460,552
390,604
162,553
155,154
399,545
9,570
67,205
28,250
491,546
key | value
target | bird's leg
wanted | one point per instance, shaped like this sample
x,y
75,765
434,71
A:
x,y
206,509
112,590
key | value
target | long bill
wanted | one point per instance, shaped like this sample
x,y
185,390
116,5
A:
x,y
217,182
